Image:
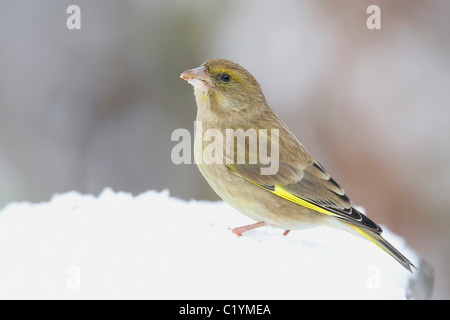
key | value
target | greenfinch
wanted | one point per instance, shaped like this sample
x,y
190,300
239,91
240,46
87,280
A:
x,y
299,193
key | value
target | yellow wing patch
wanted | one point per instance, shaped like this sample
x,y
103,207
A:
x,y
283,193
280,191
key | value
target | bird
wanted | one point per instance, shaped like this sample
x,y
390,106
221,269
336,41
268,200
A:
x,y
299,194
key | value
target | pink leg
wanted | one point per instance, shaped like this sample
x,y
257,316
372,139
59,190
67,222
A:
x,y
286,232
240,230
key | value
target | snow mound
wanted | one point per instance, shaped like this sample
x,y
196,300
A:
x,y
152,246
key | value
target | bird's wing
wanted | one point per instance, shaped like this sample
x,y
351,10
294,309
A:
x,y
309,186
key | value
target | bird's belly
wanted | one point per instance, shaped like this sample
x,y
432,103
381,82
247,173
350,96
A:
x,y
257,203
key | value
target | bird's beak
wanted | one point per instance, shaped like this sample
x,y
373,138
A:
x,y
199,78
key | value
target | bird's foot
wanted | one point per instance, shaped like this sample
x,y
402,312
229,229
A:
x,y
240,230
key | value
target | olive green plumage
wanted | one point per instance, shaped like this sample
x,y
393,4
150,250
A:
x,y
301,193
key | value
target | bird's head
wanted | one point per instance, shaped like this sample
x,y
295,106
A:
x,y
225,85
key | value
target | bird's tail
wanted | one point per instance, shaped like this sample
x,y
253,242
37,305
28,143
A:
x,y
386,246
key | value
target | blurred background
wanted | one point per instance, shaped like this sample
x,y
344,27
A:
x,y
94,108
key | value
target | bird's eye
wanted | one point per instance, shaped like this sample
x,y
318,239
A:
x,y
225,77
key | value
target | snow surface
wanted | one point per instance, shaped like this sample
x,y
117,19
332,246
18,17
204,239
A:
x,y
152,246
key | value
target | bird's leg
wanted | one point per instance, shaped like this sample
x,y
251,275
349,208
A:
x,y
240,230
286,232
